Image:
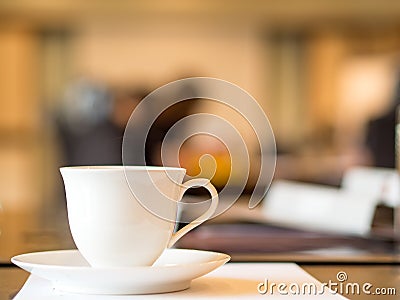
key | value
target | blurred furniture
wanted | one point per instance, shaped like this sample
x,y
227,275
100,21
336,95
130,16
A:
x,y
248,235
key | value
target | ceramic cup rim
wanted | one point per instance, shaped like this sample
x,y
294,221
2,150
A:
x,y
118,168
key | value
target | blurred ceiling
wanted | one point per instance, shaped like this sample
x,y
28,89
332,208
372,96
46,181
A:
x,y
254,11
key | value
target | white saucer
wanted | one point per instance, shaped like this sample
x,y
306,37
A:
x,y
69,271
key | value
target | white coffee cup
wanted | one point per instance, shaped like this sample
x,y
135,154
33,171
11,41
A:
x,y
111,227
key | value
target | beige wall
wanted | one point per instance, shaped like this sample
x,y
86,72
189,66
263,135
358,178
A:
x,y
155,54
19,120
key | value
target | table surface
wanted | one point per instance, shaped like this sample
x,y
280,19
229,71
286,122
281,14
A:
x,y
240,232
380,276
373,259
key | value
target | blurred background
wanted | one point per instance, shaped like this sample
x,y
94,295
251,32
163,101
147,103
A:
x,y
72,71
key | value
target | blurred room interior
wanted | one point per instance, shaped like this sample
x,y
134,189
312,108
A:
x,y
321,70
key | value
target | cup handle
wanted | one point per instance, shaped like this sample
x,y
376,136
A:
x,y
197,182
